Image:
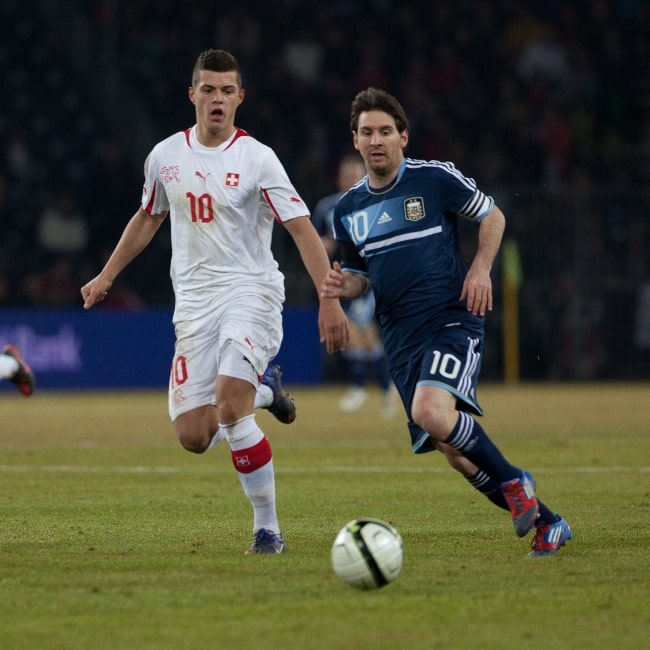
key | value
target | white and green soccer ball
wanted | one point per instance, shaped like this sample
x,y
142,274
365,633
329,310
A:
x,y
367,553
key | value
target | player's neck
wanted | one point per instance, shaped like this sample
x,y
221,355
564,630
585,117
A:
x,y
383,183
385,179
214,139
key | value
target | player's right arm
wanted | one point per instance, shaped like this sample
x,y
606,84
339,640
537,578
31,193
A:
x,y
139,231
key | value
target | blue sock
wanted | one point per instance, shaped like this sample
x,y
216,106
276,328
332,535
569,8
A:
x,y
356,367
489,487
470,440
492,490
377,364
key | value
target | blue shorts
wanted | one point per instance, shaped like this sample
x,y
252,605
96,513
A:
x,y
453,362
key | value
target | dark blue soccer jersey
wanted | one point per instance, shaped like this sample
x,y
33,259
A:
x,y
405,237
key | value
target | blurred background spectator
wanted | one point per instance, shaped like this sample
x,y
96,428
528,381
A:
x,y
62,229
546,104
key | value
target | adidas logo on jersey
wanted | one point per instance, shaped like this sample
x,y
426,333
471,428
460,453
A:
x,y
384,218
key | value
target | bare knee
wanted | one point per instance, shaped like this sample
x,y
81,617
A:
x,y
437,422
191,440
196,428
230,410
434,410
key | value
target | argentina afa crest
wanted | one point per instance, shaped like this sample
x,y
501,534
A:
x,y
414,208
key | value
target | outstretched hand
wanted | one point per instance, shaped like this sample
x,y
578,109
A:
x,y
95,291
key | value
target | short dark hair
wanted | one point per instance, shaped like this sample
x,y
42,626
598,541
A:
x,y
217,61
375,99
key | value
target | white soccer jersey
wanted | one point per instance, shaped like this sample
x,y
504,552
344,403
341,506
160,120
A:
x,y
222,203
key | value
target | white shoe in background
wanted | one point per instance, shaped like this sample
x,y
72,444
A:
x,y
353,399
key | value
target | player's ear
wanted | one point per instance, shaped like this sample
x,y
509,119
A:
x,y
190,94
355,140
242,94
404,139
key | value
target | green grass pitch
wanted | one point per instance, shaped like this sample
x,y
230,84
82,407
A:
x,y
112,536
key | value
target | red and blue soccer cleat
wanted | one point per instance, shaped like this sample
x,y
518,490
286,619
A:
x,y
522,503
549,538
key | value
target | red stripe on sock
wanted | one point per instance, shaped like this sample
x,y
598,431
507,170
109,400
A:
x,y
252,458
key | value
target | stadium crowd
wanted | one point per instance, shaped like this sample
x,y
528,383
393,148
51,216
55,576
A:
x,y
544,97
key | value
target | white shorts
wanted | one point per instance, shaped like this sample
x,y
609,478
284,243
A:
x,y
250,324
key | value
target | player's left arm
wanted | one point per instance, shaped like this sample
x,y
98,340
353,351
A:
x,y
332,322
477,288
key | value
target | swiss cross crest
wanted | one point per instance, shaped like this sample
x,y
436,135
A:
x,y
414,208
232,179
170,173
178,396
243,461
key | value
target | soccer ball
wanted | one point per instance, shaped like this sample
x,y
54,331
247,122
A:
x,y
367,553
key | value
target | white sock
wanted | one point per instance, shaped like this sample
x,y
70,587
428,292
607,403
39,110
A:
x,y
253,462
263,397
9,366
217,437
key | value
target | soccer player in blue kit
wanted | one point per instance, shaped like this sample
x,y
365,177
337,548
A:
x,y
398,231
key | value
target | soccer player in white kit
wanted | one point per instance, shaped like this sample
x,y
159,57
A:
x,y
223,190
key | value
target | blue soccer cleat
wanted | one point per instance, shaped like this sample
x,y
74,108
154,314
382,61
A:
x,y
282,407
267,543
522,503
549,538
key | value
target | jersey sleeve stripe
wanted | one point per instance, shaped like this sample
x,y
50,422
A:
x,y
268,200
150,203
